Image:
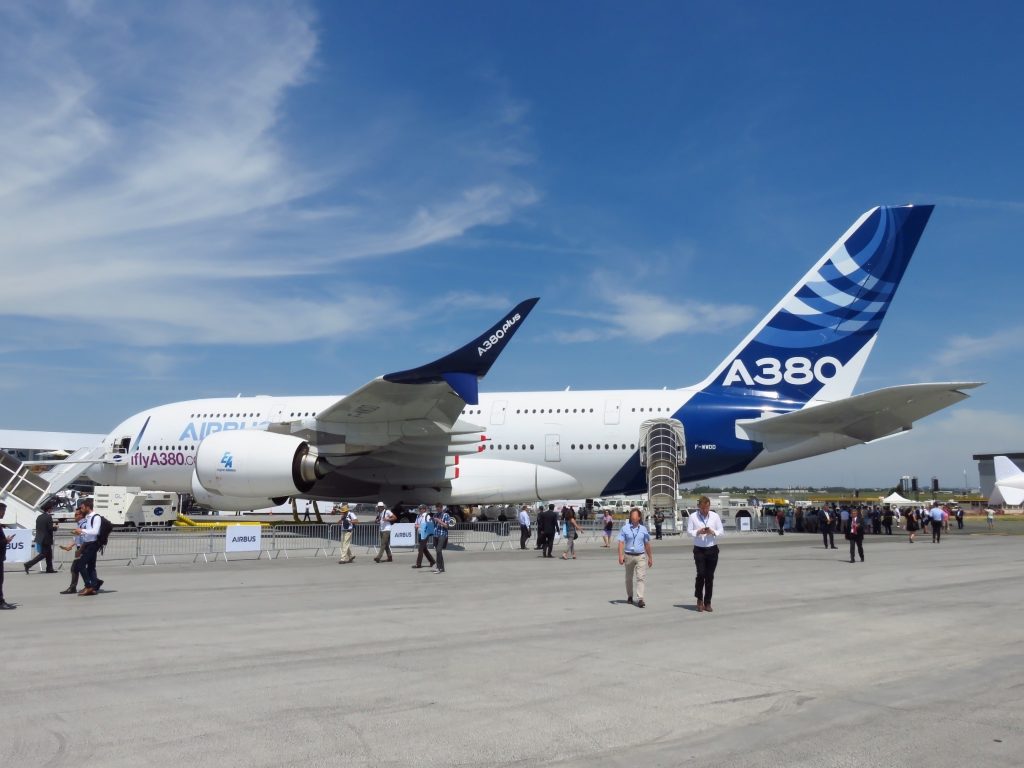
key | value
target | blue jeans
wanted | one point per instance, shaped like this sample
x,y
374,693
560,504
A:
x,y
87,564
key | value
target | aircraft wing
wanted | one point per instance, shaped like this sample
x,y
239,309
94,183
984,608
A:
x,y
29,440
862,418
408,422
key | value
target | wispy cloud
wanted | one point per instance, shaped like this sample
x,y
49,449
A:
x,y
963,348
623,311
149,195
1011,206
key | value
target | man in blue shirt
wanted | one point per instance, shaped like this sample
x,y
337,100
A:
x,y
635,554
935,513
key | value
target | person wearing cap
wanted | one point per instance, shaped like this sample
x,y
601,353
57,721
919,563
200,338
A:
x,y
348,524
635,554
44,538
385,518
4,605
704,527
423,536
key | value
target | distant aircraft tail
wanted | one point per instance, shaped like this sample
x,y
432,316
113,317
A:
x,y
814,343
1006,470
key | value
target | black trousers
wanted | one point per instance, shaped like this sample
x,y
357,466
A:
x,y
858,543
549,543
888,528
657,530
45,554
936,530
4,542
706,560
828,537
440,542
524,535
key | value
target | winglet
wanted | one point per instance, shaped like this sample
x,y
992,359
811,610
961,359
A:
x,y
463,368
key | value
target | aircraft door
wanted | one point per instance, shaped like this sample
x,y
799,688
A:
x,y
611,411
552,448
498,411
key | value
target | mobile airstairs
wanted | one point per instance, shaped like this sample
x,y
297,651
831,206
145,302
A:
x,y
662,453
23,489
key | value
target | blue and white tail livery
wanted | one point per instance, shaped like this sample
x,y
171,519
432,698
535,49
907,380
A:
x,y
427,434
816,341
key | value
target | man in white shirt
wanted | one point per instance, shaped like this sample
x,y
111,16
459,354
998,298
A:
x,y
89,530
704,527
385,517
348,525
524,526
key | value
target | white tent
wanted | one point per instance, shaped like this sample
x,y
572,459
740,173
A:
x,y
899,501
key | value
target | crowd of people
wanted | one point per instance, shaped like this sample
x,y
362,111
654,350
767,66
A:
x,y
432,527
86,546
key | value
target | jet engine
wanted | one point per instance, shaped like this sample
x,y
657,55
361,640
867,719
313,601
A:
x,y
257,464
219,503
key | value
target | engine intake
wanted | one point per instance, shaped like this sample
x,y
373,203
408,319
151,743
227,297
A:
x,y
256,464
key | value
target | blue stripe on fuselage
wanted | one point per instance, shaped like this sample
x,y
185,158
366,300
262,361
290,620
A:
x,y
709,419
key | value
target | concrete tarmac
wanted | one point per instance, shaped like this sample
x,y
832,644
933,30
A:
x,y
913,658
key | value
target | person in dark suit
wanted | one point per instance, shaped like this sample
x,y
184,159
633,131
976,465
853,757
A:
x,y
44,539
855,533
827,521
547,524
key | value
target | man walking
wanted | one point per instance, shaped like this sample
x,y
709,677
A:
x,y
524,527
385,518
635,553
4,541
44,538
704,527
424,532
935,513
442,522
828,528
76,564
348,526
547,524
89,530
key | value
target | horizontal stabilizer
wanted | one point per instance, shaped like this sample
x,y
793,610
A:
x,y
862,418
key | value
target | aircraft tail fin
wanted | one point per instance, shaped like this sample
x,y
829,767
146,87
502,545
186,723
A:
x,y
814,343
1005,469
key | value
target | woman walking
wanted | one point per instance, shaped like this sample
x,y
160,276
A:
x,y
911,525
571,529
608,521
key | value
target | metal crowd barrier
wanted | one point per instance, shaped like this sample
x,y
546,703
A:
x,y
144,546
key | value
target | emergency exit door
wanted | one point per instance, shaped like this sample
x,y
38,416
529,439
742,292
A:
x,y
552,449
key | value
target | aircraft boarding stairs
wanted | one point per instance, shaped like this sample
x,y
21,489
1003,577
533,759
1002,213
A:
x,y
24,490
662,453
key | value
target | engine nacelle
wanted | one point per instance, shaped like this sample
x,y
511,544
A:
x,y
256,464
219,503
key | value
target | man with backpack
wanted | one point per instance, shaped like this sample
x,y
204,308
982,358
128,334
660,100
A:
x,y
90,531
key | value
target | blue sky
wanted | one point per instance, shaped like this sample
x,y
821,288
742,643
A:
x,y
206,199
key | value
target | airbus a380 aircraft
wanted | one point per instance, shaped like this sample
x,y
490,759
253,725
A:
x,y
426,434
